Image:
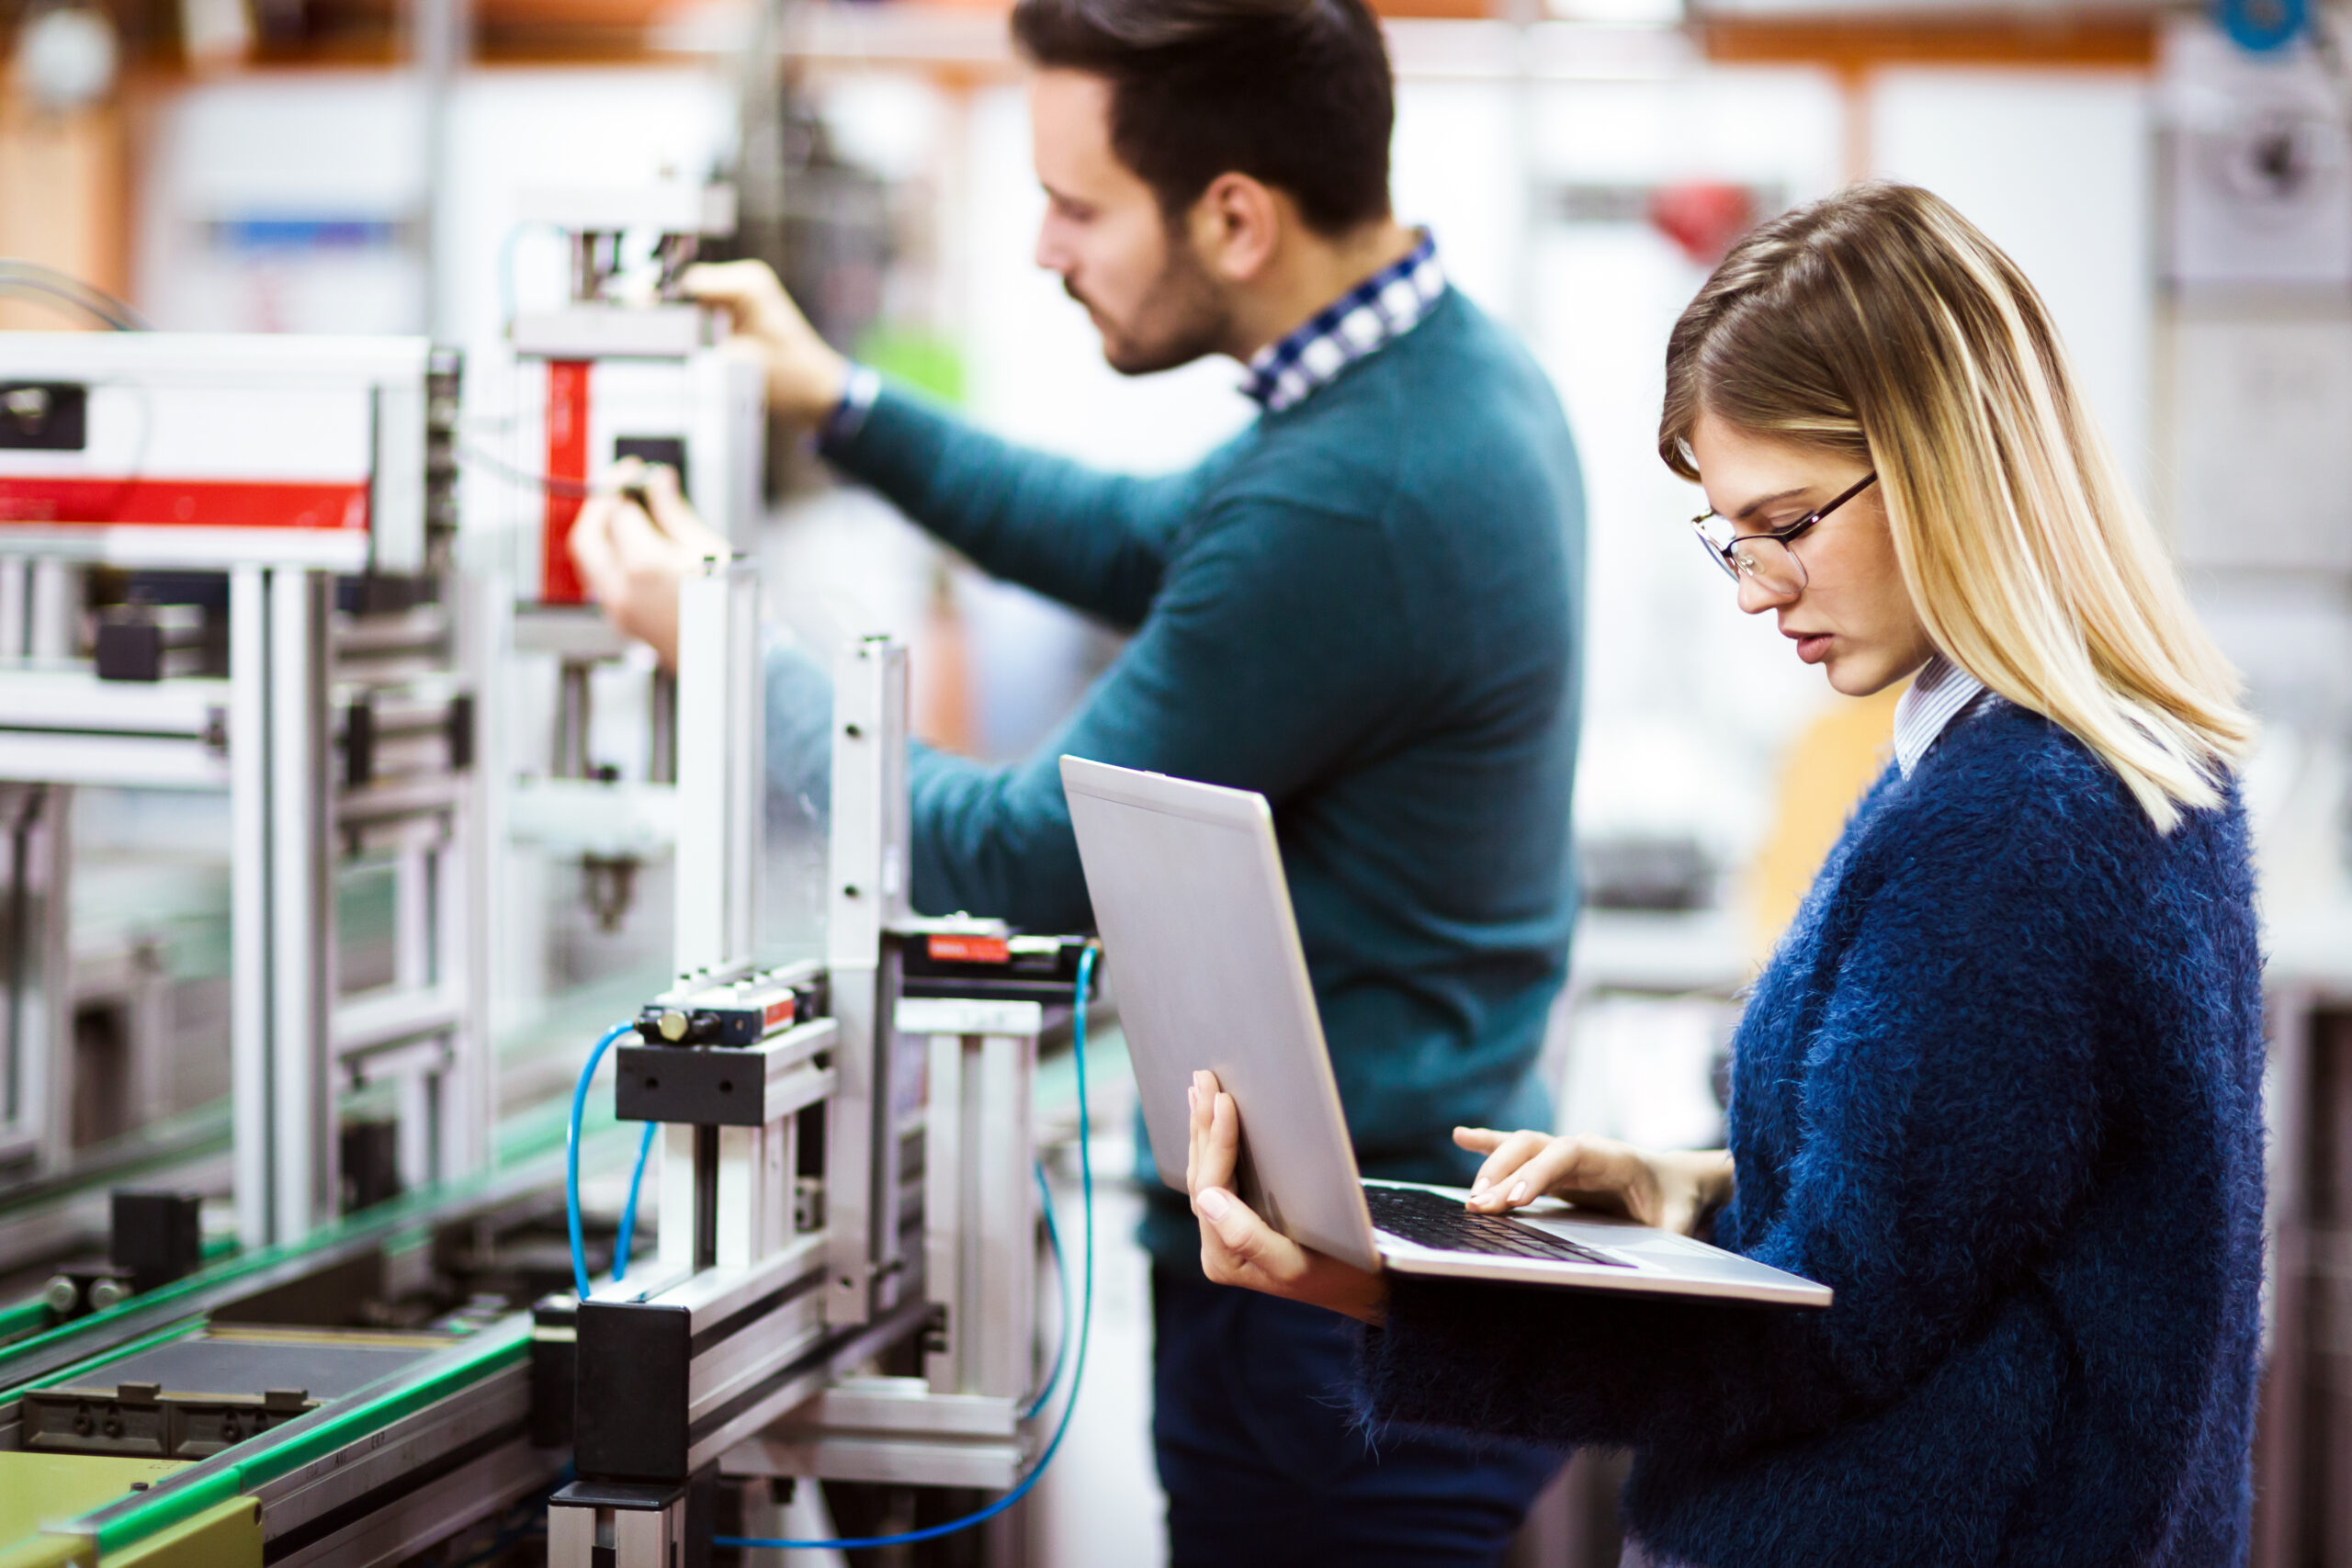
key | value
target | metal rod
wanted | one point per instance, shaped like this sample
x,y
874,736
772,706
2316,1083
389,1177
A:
x,y
572,715
706,1198
662,753
301,933
249,881
20,845
442,36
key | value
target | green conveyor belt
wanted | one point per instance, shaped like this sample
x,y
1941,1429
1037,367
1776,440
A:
x,y
23,1318
300,1443
529,1137
533,1138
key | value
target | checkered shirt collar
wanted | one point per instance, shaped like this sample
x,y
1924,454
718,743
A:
x,y
1381,309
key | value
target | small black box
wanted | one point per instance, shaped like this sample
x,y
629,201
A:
x,y
630,1412
44,416
698,1085
555,1369
130,645
159,1237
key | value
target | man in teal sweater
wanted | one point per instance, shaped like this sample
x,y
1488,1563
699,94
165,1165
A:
x,y
1365,607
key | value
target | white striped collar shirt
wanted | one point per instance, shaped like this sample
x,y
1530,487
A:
x,y
1939,694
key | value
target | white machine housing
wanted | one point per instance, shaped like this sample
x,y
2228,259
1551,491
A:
x,y
200,449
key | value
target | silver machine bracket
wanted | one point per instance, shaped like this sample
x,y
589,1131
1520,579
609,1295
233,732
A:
x,y
846,1284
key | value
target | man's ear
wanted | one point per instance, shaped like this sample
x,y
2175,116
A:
x,y
1237,227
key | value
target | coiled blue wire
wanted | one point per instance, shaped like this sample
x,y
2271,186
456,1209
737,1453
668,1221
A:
x,y
1078,1369
572,1155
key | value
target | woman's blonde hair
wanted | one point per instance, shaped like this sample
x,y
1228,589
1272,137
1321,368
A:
x,y
1881,324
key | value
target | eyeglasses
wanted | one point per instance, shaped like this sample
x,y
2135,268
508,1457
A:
x,y
1766,558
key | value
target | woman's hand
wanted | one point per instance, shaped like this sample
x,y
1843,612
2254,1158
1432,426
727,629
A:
x,y
1239,1248
1669,1188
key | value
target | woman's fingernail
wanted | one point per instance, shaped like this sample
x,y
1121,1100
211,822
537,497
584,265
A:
x,y
1478,1186
1518,1192
1213,1203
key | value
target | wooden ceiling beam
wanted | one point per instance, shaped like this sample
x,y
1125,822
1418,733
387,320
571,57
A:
x,y
1856,47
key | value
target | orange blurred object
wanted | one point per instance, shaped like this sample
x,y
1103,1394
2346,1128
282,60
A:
x,y
64,192
1822,777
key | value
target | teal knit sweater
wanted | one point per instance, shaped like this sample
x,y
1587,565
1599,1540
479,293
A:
x,y
1365,607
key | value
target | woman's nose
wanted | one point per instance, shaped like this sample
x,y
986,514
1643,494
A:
x,y
1754,598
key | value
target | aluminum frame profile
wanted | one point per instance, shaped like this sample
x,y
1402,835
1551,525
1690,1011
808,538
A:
x,y
207,407
275,416
868,896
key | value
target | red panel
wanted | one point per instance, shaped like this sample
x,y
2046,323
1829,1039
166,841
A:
x,y
567,472
970,949
189,504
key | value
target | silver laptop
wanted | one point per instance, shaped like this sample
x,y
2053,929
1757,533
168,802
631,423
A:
x,y
1188,891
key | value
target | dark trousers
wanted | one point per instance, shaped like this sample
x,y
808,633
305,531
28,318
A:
x,y
1264,1464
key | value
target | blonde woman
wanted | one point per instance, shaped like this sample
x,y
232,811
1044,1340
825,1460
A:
x,y
1999,1086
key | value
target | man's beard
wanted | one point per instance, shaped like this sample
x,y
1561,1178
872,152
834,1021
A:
x,y
1180,318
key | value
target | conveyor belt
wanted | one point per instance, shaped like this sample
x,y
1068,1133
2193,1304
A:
x,y
347,1446
195,1397
462,1411
526,1181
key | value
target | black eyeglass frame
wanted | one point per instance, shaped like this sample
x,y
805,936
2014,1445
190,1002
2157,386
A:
x,y
1722,554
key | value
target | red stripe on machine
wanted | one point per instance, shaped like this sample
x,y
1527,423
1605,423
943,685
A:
x,y
971,949
780,1012
183,503
567,422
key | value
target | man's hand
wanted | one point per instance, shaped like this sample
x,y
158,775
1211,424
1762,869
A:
x,y
805,377
1239,1248
1669,1188
632,559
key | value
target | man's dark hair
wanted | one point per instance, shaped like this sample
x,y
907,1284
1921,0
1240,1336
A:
x,y
1293,93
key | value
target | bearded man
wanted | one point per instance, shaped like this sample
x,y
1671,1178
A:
x,y
1366,607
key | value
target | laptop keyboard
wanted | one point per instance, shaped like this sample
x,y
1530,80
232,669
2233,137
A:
x,y
1435,1220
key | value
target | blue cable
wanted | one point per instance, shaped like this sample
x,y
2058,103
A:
x,y
571,1155
1078,1370
1061,1274
629,1210
2262,26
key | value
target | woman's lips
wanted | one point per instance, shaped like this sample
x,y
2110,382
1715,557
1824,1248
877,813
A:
x,y
1813,649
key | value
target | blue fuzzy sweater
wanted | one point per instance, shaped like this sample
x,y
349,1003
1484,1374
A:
x,y
2000,1088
